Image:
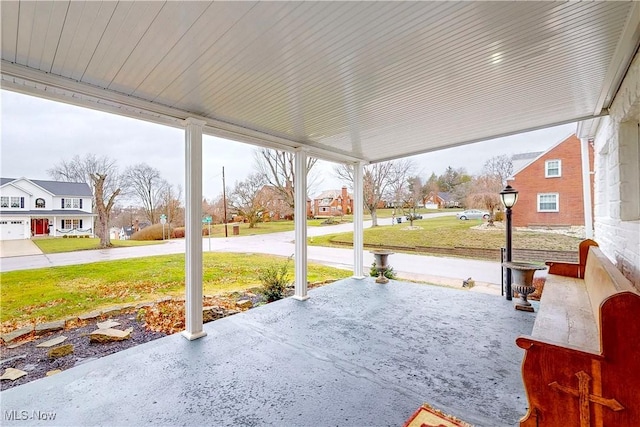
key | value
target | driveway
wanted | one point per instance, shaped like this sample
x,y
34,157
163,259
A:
x,y
14,248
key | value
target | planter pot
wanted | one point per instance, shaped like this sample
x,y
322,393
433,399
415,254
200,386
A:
x,y
382,264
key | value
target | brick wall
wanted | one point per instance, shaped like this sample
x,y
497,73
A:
x,y
617,197
531,181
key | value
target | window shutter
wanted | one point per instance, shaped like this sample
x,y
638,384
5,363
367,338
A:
x,y
22,202
81,208
80,220
62,204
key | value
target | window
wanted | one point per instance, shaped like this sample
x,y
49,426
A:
x,y
69,224
552,168
71,203
40,203
548,202
15,202
4,202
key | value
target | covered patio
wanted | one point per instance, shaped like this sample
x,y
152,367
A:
x,y
331,360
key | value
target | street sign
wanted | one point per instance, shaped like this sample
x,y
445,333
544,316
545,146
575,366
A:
x,y
206,219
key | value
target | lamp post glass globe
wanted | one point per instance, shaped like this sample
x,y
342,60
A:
x,y
509,197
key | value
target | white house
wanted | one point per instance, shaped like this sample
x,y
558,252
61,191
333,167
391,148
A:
x,y
30,207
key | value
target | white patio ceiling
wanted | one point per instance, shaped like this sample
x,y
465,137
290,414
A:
x,y
350,80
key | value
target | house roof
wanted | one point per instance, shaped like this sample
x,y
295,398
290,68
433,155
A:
x,y
57,188
331,194
525,162
445,195
345,81
521,160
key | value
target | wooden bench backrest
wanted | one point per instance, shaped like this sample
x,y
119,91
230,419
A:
x,y
583,252
570,269
603,280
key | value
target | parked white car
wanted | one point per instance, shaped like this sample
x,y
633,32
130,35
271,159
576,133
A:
x,y
472,214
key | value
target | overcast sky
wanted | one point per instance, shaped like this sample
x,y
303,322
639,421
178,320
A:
x,y
37,134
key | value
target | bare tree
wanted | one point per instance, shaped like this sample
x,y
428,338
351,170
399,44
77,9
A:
x,y
485,193
148,187
376,179
101,173
171,205
277,170
398,179
500,166
245,198
215,208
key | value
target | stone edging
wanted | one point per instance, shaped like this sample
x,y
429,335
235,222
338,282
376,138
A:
x,y
58,325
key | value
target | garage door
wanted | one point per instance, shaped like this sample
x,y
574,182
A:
x,y
11,230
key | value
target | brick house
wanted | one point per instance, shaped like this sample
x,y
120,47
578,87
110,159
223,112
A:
x,y
333,202
440,200
550,187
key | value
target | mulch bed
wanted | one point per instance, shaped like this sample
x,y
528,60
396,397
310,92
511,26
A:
x,y
36,363
154,321
151,322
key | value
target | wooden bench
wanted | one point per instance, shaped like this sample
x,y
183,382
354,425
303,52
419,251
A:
x,y
582,361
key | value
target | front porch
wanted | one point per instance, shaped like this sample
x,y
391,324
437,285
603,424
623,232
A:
x,y
355,353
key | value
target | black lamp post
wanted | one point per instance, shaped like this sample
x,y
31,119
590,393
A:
x,y
509,198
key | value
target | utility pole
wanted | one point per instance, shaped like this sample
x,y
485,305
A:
x,y
224,201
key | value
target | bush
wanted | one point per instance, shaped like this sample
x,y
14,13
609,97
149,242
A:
x,y
389,274
177,233
274,281
152,232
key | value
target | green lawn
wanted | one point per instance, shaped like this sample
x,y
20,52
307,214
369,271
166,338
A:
x,y
52,245
60,292
217,230
449,232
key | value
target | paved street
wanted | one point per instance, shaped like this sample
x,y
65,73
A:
x,y
439,270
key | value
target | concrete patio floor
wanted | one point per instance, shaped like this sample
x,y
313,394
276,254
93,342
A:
x,y
355,354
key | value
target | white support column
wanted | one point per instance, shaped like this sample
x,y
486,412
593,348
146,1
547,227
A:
x,y
300,224
193,229
358,218
586,188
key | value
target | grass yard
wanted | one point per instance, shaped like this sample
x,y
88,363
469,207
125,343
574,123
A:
x,y
52,245
262,227
449,232
61,292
